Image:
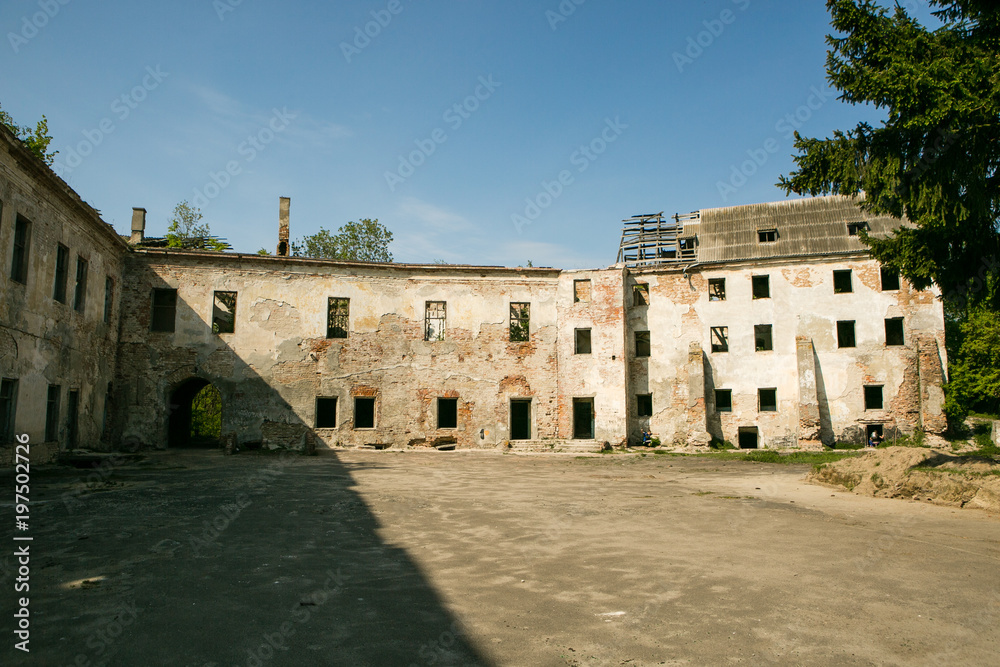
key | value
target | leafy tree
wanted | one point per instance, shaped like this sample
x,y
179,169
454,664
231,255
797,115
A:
x,y
364,241
187,231
975,368
935,159
206,413
36,140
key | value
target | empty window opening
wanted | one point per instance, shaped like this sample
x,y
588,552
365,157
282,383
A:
x,y
435,316
520,419
582,341
845,334
717,289
80,296
644,405
640,294
762,337
109,297
338,317
842,283
873,397
19,260
73,419
723,400
581,291
52,413
720,339
224,313
62,273
688,247
748,438
583,418
767,400
894,331
890,279
520,322
364,412
326,412
164,309
8,409
642,344
767,235
854,228
447,413
761,286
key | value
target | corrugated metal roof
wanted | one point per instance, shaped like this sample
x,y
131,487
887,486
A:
x,y
813,226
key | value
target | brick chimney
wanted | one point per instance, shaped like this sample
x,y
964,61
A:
x,y
283,207
138,226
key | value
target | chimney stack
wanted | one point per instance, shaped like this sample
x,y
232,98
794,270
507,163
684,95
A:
x,y
283,207
138,226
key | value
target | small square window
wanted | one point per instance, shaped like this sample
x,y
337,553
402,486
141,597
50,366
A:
x,y
723,400
688,247
894,331
845,334
890,279
854,228
842,283
338,317
642,344
224,313
768,400
873,397
582,341
581,291
767,235
761,287
720,339
164,310
364,412
640,294
520,322
644,405
447,413
326,412
762,337
717,289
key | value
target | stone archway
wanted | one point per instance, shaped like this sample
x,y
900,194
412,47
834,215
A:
x,y
181,428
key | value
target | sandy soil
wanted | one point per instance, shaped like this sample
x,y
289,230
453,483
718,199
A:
x,y
932,475
464,558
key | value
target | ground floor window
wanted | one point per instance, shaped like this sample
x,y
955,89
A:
x,y
326,412
447,413
364,412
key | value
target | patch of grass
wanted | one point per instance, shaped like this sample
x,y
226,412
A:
x,y
847,445
721,445
915,440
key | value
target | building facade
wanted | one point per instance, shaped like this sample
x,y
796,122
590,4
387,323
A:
x,y
765,326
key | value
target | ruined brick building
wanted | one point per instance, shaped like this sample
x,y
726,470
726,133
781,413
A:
x,y
766,325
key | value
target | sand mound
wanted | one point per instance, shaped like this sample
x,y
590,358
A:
x,y
931,475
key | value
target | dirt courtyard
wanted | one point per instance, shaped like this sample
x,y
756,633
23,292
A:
x,y
195,559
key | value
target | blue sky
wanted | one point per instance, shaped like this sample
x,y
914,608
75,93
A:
x,y
478,132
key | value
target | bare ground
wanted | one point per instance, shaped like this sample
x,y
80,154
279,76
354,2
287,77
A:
x,y
386,558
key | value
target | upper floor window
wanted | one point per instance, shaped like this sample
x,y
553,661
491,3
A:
x,y
22,245
640,294
761,286
338,317
894,331
845,334
762,337
80,297
890,279
435,315
642,344
767,235
842,283
582,341
720,339
109,297
520,322
581,291
854,228
224,313
767,400
716,289
164,309
62,273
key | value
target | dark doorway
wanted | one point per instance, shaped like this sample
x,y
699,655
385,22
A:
x,y
874,429
520,419
748,438
195,415
583,418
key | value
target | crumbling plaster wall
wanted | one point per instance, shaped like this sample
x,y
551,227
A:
x,y
802,309
278,361
43,341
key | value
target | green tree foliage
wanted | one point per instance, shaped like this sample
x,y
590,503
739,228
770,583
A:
x,y
37,140
364,241
975,369
935,159
206,413
187,231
